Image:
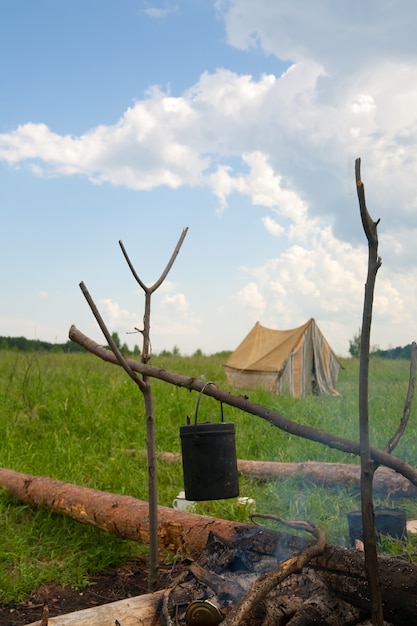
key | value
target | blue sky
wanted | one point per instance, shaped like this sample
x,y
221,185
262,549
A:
x,y
239,120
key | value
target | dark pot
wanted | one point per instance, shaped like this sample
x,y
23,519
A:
x,y
388,522
209,461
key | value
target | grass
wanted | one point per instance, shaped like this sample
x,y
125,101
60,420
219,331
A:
x,y
75,418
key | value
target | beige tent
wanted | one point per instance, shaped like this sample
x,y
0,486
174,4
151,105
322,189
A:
x,y
298,361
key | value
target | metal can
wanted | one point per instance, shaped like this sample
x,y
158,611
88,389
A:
x,y
203,613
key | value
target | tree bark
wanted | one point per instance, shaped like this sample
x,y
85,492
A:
x,y
344,572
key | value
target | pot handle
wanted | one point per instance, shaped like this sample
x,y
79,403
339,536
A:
x,y
199,399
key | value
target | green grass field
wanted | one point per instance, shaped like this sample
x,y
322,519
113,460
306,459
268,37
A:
x,y
75,418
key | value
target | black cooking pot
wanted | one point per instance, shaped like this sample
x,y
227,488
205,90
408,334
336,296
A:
x,y
209,458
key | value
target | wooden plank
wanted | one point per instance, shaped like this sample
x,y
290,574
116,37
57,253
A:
x,y
141,610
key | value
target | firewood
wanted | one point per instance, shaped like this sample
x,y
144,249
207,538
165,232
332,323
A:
x,y
130,612
305,599
225,589
386,480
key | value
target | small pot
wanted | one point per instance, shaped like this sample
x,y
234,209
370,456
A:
x,y
388,522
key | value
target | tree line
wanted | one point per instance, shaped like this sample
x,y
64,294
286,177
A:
x,y
400,352
22,344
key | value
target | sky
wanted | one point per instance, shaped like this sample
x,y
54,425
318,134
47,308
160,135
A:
x,y
239,120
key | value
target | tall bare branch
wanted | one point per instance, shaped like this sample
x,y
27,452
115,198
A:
x,y
145,388
368,465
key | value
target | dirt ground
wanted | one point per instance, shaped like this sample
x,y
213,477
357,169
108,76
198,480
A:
x,y
116,583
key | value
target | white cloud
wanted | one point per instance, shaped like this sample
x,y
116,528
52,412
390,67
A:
x,y
327,281
272,226
176,303
267,139
287,144
161,12
118,319
250,297
363,104
142,150
338,35
172,317
229,94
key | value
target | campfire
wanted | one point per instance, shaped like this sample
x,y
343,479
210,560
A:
x,y
281,575
255,575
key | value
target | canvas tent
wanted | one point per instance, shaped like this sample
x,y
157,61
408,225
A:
x,y
298,362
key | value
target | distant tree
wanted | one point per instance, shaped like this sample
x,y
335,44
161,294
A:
x,y
70,346
116,339
355,346
198,352
22,344
4,344
400,352
224,354
165,353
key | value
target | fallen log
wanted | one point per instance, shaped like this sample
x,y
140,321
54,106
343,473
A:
x,y
187,533
124,516
386,480
344,572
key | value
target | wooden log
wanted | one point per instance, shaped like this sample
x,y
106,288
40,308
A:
x,y
344,572
141,610
386,480
124,516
